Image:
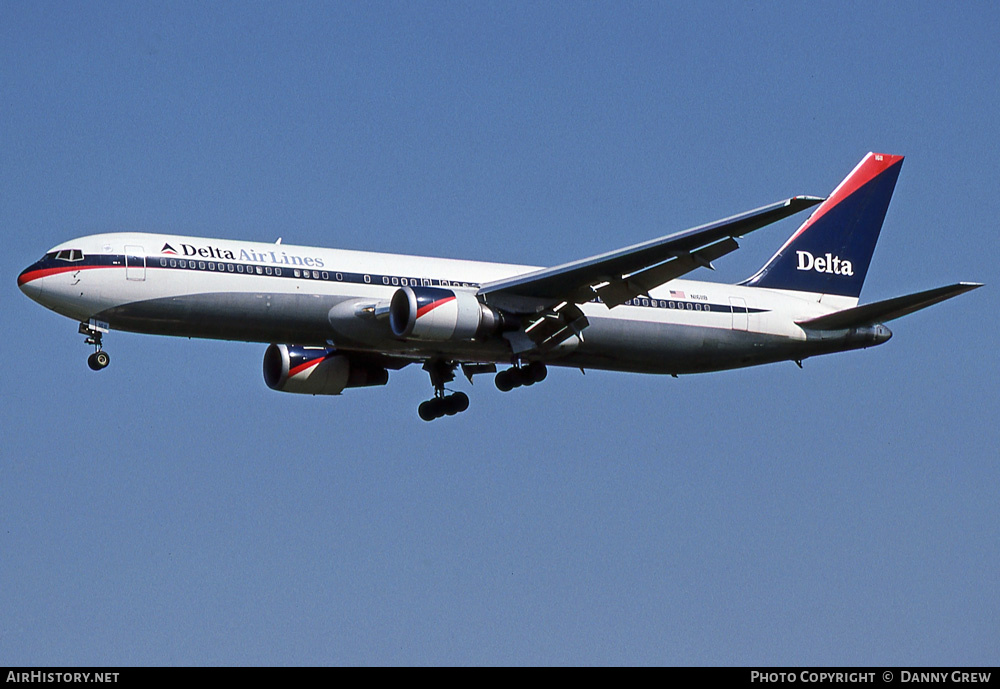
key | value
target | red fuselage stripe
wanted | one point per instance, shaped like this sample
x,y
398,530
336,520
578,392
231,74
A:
x,y
45,272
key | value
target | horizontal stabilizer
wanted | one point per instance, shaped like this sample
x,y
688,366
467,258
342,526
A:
x,y
883,311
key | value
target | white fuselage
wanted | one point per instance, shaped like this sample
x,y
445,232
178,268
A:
x,y
274,293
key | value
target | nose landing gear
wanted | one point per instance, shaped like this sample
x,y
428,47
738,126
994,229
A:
x,y
94,330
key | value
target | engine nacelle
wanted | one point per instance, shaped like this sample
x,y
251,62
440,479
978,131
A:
x,y
316,370
439,313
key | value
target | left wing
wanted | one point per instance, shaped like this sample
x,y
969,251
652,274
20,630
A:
x,y
618,276
550,296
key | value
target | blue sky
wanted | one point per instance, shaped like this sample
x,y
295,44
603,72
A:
x,y
173,510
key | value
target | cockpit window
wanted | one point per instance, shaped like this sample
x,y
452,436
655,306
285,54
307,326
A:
x,y
70,255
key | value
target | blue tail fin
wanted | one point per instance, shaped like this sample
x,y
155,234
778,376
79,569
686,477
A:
x,y
831,252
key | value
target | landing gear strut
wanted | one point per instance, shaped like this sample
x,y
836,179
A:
x,y
515,377
442,404
94,330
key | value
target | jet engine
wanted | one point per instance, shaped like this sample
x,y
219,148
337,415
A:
x,y
439,313
317,370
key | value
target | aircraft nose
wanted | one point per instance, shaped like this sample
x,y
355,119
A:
x,y
29,282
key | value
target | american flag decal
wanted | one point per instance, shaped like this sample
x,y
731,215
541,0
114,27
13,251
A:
x,y
676,295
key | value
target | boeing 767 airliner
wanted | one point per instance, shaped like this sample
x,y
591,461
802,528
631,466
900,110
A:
x,y
337,319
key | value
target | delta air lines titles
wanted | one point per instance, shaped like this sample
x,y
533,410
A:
x,y
248,255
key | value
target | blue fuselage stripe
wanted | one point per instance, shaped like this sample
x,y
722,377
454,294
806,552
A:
x,y
232,268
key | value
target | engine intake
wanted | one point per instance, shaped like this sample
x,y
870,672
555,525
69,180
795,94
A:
x,y
317,370
439,313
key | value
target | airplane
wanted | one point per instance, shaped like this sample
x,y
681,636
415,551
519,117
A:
x,y
336,319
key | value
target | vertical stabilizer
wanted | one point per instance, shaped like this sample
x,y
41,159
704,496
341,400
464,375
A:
x,y
830,253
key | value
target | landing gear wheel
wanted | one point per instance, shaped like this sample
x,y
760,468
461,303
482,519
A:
x,y
427,410
536,371
98,360
505,381
456,404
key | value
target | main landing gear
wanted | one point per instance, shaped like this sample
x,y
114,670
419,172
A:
x,y
443,372
442,404
517,376
94,330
